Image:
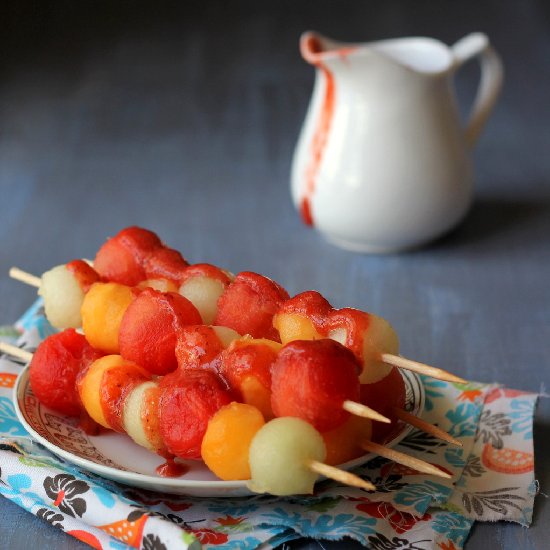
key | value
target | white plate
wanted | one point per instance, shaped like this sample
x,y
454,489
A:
x,y
115,456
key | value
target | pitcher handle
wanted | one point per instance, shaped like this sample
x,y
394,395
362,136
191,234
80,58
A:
x,y
474,45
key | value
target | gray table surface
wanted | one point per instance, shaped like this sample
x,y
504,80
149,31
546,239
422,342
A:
x,y
183,120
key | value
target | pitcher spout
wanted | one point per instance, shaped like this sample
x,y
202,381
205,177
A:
x,y
317,49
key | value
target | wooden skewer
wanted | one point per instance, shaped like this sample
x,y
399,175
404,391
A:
x,y
421,368
425,426
401,458
358,409
339,475
24,277
16,352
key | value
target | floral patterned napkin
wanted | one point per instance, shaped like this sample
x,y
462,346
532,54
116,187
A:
x,y
493,479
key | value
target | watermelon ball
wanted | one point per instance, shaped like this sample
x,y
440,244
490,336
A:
x,y
249,304
383,396
121,258
246,366
187,401
54,369
165,263
311,379
149,329
200,346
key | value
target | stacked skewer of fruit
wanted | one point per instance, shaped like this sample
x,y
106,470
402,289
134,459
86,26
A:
x,y
194,363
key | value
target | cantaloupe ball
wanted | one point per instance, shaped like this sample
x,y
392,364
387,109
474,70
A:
x,y
226,443
141,416
102,310
293,326
63,297
256,394
344,442
96,395
378,338
279,457
203,293
89,387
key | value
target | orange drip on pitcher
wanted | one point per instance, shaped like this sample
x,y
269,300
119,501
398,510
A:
x,y
313,46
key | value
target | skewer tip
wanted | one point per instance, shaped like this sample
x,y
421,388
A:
x,y
421,368
347,478
24,277
426,427
358,409
406,460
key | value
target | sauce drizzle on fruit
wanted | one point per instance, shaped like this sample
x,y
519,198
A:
x,y
84,273
171,468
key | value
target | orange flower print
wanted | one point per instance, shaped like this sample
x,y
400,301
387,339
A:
x,y
469,395
7,379
229,520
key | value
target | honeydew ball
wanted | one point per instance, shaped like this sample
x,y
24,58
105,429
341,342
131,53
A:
x,y
203,293
279,457
140,416
378,338
62,296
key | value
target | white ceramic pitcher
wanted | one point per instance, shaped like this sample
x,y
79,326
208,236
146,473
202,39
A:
x,y
382,162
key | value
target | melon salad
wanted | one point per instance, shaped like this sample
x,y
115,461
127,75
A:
x,y
195,363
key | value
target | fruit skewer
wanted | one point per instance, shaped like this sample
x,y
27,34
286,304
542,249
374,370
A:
x,y
195,289
64,287
127,416
283,456
130,382
309,316
309,379
135,255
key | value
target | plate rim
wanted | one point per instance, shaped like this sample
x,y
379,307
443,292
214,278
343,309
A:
x,y
127,476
